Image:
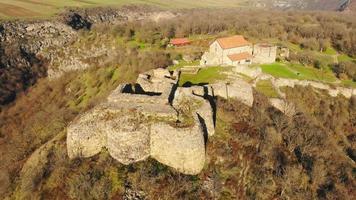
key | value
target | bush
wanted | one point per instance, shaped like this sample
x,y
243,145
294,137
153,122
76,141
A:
x,y
347,68
317,64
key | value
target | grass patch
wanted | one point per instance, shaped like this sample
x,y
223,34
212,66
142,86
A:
x,y
205,75
298,71
330,51
183,63
348,83
265,87
344,57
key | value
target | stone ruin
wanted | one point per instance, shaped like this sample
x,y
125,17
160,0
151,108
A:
x,y
156,118
153,118
264,53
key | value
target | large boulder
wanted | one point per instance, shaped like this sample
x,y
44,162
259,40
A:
x,y
180,148
134,125
123,133
85,135
128,140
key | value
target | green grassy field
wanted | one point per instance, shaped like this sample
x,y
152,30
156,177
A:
x,y
205,75
297,71
343,58
45,8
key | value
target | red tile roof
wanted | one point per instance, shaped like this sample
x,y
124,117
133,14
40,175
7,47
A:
x,y
180,41
240,56
232,42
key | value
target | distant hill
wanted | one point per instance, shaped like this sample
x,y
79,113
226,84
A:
x,y
301,4
45,8
352,6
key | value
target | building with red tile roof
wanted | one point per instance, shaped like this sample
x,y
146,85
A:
x,y
179,41
236,51
233,42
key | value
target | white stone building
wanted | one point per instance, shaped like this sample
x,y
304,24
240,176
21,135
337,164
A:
x,y
237,51
233,50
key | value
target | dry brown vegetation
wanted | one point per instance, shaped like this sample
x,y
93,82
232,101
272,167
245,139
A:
x,y
257,153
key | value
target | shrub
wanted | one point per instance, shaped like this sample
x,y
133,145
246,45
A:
x,y
347,67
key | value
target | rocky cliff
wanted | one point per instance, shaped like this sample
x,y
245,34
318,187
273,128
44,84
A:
x,y
29,48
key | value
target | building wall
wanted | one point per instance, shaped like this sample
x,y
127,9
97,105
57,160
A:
x,y
217,51
242,62
219,56
264,54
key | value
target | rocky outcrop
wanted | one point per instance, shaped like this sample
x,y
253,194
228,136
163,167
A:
x,y
237,89
284,106
87,135
135,123
204,99
27,48
180,148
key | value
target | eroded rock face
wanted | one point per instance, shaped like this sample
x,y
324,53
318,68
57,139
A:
x,y
180,148
128,139
86,136
204,101
125,134
206,114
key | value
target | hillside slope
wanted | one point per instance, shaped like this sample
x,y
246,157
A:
x,y
37,9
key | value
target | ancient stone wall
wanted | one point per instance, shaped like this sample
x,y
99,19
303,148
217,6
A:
x,y
135,126
264,53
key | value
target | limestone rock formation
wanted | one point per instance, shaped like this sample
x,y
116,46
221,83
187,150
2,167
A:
x,y
85,135
128,139
206,114
180,148
142,120
200,97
